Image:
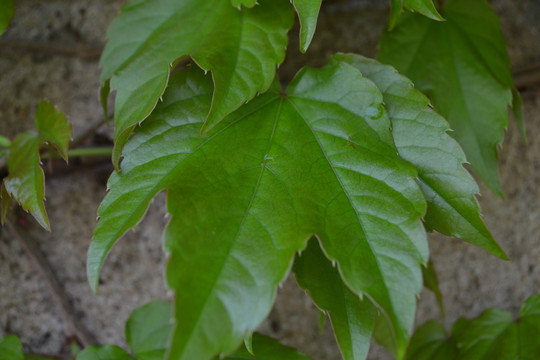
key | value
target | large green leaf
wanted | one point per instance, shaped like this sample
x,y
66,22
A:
x,y
245,198
430,342
421,137
352,318
25,181
240,48
462,64
148,330
308,11
106,352
7,9
424,7
11,348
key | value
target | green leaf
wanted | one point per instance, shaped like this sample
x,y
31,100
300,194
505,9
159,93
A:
x,y
430,342
148,330
53,127
266,348
240,48
25,182
6,202
467,77
246,197
493,335
247,3
496,335
352,318
7,9
432,283
11,348
421,137
4,142
308,11
106,352
104,91
424,7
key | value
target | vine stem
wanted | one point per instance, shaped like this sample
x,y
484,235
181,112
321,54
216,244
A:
x,y
83,152
70,318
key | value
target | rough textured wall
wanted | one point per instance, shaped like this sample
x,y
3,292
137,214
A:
x,y
51,51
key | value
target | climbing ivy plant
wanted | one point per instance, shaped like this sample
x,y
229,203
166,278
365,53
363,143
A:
x,y
335,176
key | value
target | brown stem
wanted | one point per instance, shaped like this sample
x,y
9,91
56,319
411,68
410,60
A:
x,y
71,320
81,51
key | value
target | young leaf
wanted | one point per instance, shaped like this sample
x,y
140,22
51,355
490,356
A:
x,y
241,48
440,57
25,182
424,7
352,318
53,127
421,137
430,342
7,9
106,352
11,348
148,330
308,11
266,348
432,283
493,335
245,198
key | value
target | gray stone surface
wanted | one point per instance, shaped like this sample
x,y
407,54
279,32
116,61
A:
x,y
66,72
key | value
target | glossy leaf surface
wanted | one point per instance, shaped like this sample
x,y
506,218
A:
x,y
240,47
424,7
106,352
7,9
246,197
352,318
421,138
308,12
148,330
467,76
11,348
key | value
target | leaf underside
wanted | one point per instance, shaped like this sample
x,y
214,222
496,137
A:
x,y
240,47
440,57
247,196
421,138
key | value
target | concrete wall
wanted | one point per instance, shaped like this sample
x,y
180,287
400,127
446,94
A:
x,y
51,51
